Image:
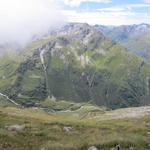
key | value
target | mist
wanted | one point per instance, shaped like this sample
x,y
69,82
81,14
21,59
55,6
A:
x,y
21,20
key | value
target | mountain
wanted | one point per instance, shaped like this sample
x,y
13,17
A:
x,y
76,63
134,37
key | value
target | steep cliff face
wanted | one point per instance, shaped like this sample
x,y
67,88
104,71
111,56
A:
x,y
77,63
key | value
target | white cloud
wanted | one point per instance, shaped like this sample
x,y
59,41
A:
x,y
123,7
21,19
115,15
78,2
111,9
146,1
130,6
107,18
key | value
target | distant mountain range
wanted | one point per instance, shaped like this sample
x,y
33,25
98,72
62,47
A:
x,y
81,63
135,38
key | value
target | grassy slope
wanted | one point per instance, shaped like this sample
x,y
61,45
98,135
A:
x,y
115,67
117,76
5,103
115,62
8,65
46,130
10,76
139,44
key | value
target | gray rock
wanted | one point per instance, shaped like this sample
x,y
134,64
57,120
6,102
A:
x,y
44,148
15,127
131,148
118,147
148,133
67,129
92,148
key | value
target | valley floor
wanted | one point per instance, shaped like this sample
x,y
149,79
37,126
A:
x,y
34,129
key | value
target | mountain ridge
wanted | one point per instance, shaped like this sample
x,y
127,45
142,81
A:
x,y
77,64
134,37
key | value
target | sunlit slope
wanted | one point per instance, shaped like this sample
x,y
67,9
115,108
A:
x,y
78,64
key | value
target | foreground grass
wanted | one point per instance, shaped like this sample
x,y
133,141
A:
x,y
47,130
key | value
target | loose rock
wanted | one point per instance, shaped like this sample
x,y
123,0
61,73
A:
x,y
118,147
67,129
148,133
44,148
16,127
92,148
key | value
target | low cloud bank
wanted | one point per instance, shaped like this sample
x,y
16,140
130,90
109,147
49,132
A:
x,y
20,20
